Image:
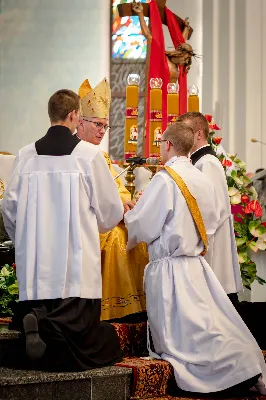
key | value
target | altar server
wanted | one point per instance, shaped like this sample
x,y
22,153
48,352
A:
x,y
222,253
59,197
193,324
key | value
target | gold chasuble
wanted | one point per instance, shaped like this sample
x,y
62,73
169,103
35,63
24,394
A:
x,y
122,271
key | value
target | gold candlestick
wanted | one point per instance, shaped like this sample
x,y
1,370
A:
x,y
130,177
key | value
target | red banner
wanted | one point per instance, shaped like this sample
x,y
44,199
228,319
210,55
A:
x,y
159,67
177,39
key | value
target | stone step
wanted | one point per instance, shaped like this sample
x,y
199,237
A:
x,y
9,346
112,383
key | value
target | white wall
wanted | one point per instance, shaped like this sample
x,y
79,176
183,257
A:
x,y
46,45
234,84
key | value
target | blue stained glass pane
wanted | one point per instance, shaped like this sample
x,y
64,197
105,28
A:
x,y
127,40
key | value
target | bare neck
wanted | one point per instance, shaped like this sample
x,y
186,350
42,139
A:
x,y
61,123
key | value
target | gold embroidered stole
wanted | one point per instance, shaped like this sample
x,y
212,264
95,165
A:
x,y
192,205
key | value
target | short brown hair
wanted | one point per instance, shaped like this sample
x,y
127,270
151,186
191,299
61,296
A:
x,y
61,103
181,136
197,122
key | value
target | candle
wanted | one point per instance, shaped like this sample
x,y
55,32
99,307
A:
x,y
193,99
155,116
131,125
172,103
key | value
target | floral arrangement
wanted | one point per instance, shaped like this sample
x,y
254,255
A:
x,y
8,289
250,231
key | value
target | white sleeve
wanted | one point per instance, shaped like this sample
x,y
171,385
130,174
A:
x,y
105,200
215,172
9,205
145,222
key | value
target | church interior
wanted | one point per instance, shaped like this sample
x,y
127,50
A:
x,y
206,56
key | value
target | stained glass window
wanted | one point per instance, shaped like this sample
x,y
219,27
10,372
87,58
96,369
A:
x,y
127,40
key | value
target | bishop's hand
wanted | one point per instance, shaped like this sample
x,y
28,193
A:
x,y
137,7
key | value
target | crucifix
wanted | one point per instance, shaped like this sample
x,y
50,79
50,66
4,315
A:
x,y
177,62
181,56
125,10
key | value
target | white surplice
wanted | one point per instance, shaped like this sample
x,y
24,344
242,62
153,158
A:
x,y
53,210
193,324
222,253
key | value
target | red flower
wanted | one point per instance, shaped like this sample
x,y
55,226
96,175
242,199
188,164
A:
x,y
226,163
245,198
208,117
14,266
237,209
253,206
264,224
217,140
214,127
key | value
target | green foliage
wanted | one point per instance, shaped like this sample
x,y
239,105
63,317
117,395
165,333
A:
x,y
8,289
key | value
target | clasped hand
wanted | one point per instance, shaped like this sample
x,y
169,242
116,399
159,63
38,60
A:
x,y
128,205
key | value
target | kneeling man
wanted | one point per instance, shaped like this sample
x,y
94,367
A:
x,y
193,324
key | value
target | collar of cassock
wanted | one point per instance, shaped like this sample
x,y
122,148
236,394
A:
x,y
58,141
202,152
59,130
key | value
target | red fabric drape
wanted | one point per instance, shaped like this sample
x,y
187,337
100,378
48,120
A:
x,y
159,67
177,38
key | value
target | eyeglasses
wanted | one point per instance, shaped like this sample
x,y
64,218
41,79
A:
x,y
163,140
99,125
